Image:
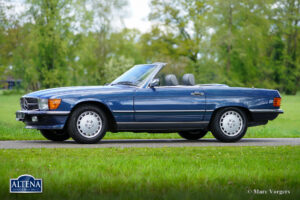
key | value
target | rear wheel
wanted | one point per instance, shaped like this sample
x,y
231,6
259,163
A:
x,y
229,124
193,135
55,135
87,124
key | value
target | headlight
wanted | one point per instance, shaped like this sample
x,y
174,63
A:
x,y
43,104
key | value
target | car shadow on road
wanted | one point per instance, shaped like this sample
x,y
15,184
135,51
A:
x,y
211,140
157,141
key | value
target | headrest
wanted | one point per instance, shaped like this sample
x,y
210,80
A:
x,y
171,80
188,79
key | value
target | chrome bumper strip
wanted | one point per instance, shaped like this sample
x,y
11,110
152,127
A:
x,y
142,111
198,122
267,110
41,112
158,111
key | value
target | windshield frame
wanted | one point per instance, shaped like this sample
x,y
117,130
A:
x,y
148,79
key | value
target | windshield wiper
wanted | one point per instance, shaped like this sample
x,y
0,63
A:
x,y
124,83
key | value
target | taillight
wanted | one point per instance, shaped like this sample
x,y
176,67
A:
x,y
276,102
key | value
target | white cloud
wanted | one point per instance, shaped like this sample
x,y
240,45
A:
x,y
14,8
138,15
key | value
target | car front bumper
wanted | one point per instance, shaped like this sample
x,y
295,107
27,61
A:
x,y
35,119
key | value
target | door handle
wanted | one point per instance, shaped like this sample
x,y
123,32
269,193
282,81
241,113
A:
x,y
197,93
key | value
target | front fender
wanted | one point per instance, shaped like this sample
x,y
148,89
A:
x,y
87,100
112,107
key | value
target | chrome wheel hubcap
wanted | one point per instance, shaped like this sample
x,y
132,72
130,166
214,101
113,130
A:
x,y
89,124
231,123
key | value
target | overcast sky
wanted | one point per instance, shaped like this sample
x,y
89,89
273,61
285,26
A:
x,y
138,11
137,16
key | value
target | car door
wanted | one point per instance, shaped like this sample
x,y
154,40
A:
x,y
184,105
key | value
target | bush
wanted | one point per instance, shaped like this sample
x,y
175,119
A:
x,y
13,92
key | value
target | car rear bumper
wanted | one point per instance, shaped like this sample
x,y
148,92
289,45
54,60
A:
x,y
279,111
35,119
265,114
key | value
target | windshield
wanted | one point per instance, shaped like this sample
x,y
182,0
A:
x,y
135,75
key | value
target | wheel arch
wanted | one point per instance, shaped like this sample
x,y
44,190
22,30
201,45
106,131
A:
x,y
244,109
111,119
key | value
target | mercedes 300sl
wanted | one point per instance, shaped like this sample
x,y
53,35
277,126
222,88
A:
x,y
147,98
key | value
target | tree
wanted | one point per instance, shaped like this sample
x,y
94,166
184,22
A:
x,y
116,66
101,13
9,32
287,19
184,21
237,42
2,36
51,30
62,40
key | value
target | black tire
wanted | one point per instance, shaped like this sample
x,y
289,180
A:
x,y
55,135
193,135
218,123
79,135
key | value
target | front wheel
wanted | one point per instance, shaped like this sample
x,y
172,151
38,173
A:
x,y
193,135
55,135
229,124
87,124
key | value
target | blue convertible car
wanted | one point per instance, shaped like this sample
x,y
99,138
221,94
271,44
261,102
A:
x,y
147,98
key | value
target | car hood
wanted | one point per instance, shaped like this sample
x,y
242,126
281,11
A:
x,y
79,90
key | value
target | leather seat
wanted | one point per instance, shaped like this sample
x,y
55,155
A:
x,y
171,80
188,79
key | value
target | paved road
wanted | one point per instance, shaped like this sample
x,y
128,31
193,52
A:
x,y
24,144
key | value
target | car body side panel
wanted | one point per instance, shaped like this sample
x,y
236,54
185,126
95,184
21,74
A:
x,y
169,104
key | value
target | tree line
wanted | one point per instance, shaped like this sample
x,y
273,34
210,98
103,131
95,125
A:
x,y
55,43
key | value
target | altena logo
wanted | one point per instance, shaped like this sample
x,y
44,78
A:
x,y
26,184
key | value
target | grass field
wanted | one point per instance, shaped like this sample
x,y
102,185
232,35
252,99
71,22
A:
x,y
286,125
155,173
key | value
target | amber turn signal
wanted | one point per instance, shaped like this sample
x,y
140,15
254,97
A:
x,y
276,102
53,103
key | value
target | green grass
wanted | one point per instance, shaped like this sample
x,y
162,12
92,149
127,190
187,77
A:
x,y
286,125
155,173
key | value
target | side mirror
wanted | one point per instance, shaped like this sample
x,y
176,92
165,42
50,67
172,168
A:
x,y
155,82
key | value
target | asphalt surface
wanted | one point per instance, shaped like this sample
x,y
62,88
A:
x,y
25,144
